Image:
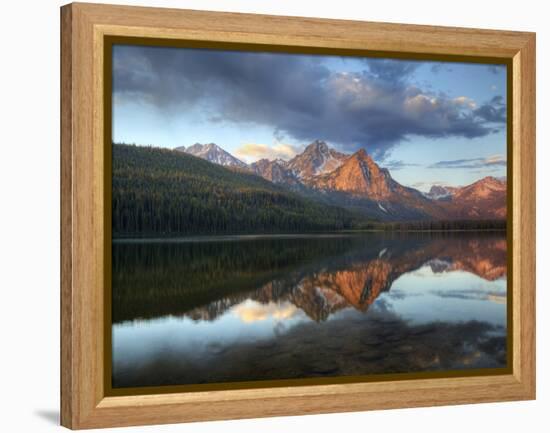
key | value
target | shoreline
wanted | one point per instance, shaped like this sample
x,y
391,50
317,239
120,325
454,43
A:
x,y
260,236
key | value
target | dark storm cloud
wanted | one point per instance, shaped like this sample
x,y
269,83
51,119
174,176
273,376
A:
x,y
493,111
492,161
297,96
391,70
173,77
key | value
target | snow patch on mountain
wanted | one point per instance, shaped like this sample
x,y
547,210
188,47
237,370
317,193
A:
x,y
215,154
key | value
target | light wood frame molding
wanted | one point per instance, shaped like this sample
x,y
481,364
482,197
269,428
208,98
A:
x,y
83,223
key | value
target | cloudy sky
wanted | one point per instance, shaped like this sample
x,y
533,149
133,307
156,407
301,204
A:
x,y
428,122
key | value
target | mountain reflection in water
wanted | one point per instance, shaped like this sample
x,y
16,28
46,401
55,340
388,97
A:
x,y
296,307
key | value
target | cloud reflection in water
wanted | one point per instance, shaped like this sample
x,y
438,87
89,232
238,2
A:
x,y
275,309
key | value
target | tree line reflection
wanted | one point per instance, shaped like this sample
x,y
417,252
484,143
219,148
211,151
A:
x,y
318,275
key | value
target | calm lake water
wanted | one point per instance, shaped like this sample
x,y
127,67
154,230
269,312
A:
x,y
228,309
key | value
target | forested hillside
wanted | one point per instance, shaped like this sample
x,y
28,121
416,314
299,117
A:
x,y
164,192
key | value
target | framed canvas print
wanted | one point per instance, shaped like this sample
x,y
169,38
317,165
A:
x,y
272,216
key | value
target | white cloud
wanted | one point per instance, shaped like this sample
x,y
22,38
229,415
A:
x,y
495,159
255,151
465,101
252,311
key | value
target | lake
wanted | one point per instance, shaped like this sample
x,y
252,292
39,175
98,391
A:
x,y
248,308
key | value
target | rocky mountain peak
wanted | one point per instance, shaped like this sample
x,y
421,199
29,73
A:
x,y
317,158
198,147
274,171
437,190
483,199
317,146
362,153
359,174
482,189
440,192
491,181
213,153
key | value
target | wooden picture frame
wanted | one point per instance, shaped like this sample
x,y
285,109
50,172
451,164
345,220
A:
x,y
85,225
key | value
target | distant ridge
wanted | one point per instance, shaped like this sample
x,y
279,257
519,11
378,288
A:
x,y
213,153
357,182
485,198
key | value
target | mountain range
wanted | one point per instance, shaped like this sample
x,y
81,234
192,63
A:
x,y
161,192
355,181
